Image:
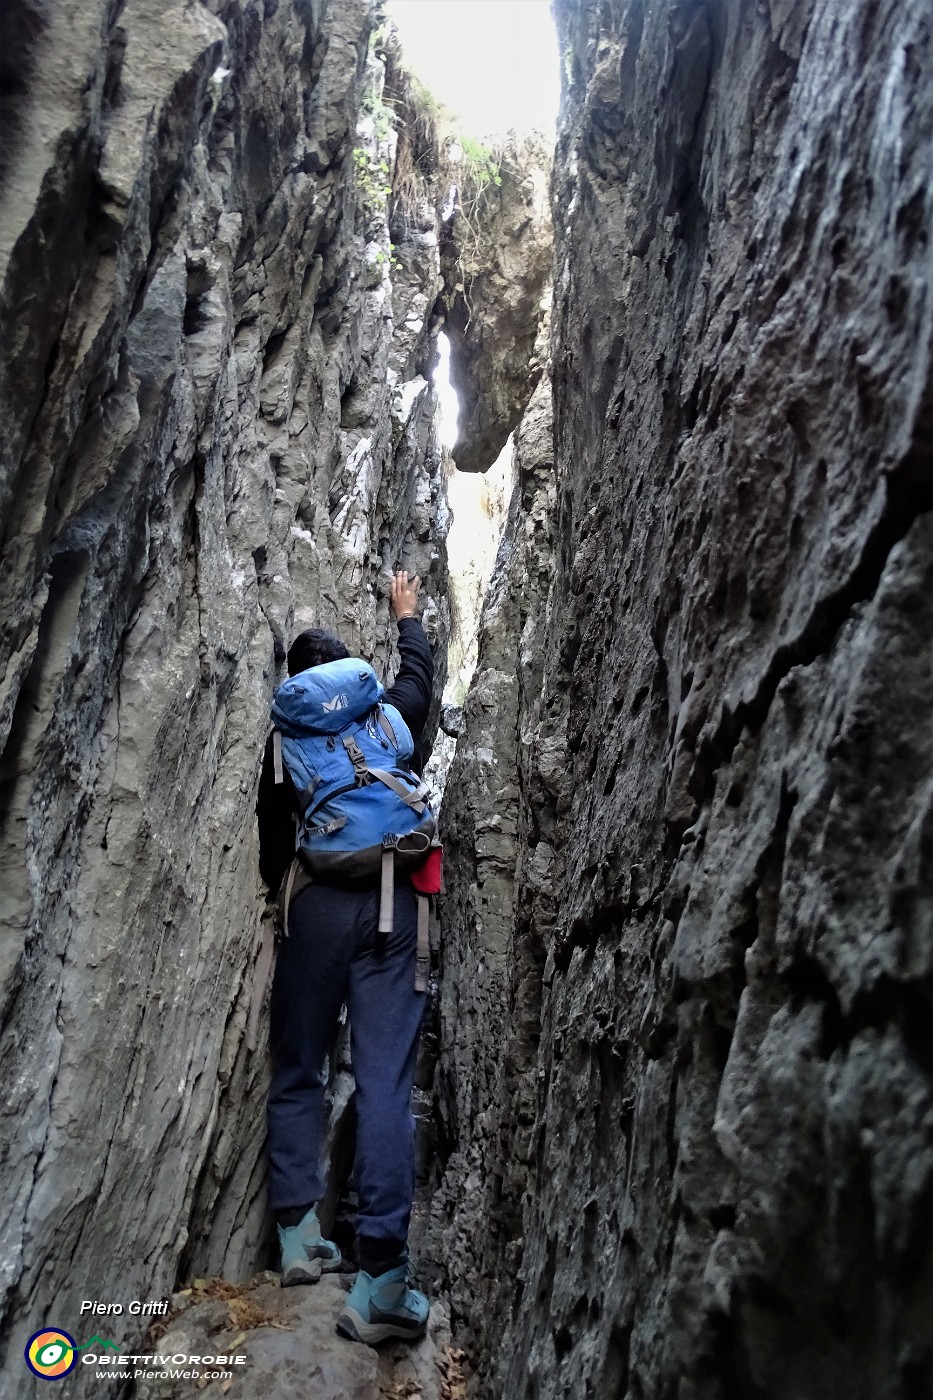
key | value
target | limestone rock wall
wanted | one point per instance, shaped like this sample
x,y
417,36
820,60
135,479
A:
x,y
217,428
685,1083
482,1122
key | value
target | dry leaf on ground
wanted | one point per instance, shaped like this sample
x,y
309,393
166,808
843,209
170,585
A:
x,y
452,1363
246,1314
402,1390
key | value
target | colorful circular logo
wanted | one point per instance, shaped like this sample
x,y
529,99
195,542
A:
x,y
51,1353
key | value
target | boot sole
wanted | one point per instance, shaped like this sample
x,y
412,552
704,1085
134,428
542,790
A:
x,y
371,1334
310,1272
302,1273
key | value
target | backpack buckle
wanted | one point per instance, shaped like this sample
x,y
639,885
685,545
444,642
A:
x,y
358,759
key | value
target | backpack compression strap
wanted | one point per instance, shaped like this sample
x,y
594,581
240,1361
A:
x,y
412,797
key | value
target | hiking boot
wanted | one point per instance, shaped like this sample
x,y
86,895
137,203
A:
x,y
384,1307
305,1255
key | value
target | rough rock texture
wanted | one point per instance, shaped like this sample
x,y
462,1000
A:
x,y
497,261
217,428
686,1076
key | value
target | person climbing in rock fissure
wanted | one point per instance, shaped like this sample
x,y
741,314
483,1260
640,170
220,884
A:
x,y
340,756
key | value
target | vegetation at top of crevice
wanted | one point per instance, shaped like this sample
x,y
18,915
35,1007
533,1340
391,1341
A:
x,y
437,164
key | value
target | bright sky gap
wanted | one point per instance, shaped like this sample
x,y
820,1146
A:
x,y
494,63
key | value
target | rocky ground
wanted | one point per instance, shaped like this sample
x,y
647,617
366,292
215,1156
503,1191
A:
x,y
292,1349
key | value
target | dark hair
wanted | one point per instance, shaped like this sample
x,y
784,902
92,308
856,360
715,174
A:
x,y
313,648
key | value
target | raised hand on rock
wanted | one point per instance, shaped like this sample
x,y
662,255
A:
x,y
404,594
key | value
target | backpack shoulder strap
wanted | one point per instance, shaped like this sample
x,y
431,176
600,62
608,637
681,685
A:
x,y
385,725
277,757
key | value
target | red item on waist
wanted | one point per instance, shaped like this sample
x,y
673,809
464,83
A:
x,y
427,878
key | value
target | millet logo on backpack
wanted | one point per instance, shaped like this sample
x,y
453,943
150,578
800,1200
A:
x,y
339,702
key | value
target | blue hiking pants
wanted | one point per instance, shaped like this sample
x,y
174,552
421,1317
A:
x,y
329,957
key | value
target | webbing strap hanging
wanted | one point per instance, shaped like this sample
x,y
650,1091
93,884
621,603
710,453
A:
x,y
289,887
423,951
387,894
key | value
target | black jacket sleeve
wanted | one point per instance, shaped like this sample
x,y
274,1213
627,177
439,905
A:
x,y
275,807
413,687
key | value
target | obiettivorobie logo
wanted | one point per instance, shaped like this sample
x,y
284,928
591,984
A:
x,y
52,1353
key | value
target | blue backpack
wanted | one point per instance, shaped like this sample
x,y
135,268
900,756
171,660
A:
x,y
361,811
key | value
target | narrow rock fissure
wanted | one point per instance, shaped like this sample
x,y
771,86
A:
x,y
673,1104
